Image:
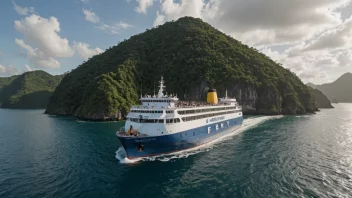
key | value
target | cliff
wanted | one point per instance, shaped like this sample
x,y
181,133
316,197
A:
x,y
193,57
29,90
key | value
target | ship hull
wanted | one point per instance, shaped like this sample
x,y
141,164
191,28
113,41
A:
x,y
137,147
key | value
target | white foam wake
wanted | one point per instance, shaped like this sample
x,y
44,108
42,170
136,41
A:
x,y
247,124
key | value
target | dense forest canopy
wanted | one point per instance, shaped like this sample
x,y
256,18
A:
x,y
29,90
193,57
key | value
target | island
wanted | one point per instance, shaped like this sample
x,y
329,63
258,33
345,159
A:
x,y
193,57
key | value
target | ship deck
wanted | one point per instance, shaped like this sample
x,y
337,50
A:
x,y
184,105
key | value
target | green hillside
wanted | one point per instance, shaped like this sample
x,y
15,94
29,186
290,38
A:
x,y
29,90
193,57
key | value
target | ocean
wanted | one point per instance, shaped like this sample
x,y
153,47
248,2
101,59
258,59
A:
x,y
280,156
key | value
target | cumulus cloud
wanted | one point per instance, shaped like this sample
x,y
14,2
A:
x,y
43,33
84,51
38,57
258,22
309,66
8,71
22,10
90,16
335,38
143,5
170,10
315,35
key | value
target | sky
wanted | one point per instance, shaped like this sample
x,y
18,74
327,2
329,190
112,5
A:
x,y
311,38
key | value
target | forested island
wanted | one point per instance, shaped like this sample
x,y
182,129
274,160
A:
x,y
29,90
193,57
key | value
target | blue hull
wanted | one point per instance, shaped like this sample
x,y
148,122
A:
x,y
150,146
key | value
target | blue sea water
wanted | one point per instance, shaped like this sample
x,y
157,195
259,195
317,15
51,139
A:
x,y
289,156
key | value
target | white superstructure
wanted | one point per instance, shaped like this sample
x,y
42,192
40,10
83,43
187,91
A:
x,y
161,114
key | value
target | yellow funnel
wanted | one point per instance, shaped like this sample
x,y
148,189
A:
x,y
212,96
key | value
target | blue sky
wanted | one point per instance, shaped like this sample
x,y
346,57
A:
x,y
73,27
311,38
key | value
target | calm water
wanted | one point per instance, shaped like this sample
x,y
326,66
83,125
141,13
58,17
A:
x,y
306,156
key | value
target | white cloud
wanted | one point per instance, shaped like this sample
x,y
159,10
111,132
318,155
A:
x,y
84,51
2,69
123,25
115,28
8,71
85,1
109,29
258,22
22,10
43,33
28,68
38,57
143,5
335,38
345,58
315,33
90,16
171,10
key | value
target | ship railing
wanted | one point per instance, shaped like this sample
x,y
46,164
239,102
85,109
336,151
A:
x,y
133,133
179,106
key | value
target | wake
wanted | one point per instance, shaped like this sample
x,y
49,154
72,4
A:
x,y
247,124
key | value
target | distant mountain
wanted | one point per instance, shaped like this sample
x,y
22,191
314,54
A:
x,y
193,57
29,90
339,90
321,101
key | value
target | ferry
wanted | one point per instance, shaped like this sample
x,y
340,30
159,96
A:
x,y
164,125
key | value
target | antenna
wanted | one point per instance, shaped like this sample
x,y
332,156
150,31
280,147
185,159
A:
x,y
161,88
